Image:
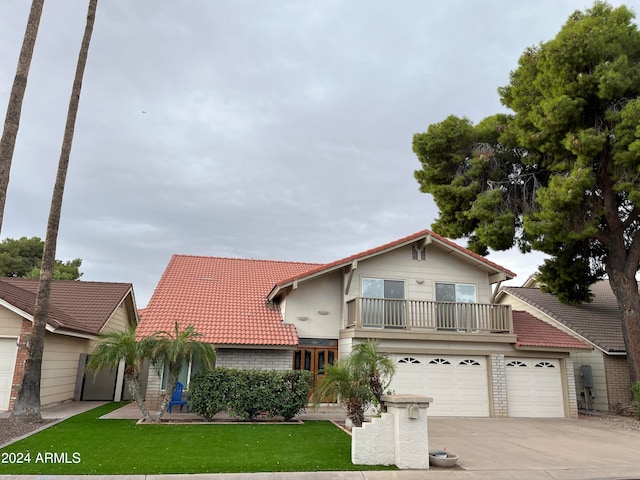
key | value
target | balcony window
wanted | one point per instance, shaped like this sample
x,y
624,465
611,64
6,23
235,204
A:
x,y
453,314
382,303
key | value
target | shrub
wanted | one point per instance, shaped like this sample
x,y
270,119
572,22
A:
x,y
246,393
209,391
635,389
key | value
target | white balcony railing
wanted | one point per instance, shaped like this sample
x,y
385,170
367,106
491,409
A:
x,y
428,315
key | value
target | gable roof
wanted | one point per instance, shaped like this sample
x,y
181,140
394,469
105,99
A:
x,y
426,235
223,298
600,321
226,299
75,306
533,332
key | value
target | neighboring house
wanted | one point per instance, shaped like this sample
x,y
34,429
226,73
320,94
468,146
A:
x,y
79,312
602,374
426,299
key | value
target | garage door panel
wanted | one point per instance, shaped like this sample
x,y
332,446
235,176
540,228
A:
x,y
457,384
8,350
534,388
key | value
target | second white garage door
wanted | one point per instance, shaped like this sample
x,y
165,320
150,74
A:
x,y
458,384
8,351
534,388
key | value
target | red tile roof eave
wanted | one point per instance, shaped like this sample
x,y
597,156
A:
x,y
381,249
534,333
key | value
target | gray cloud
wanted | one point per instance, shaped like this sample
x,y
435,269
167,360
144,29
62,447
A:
x,y
277,130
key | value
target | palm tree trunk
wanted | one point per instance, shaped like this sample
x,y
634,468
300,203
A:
x,y
135,390
27,403
172,379
14,109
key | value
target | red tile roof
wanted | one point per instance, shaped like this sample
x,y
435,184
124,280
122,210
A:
x,y
76,306
389,246
223,298
533,332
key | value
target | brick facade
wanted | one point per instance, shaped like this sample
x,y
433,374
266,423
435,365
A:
x,y
245,359
21,357
499,385
618,381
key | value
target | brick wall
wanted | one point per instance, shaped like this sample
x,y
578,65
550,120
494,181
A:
x,y
245,359
154,396
21,358
618,381
499,385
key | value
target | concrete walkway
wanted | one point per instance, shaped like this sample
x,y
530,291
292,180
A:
x,y
489,449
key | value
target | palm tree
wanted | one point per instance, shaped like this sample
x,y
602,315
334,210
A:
x,y
14,109
175,349
27,405
358,381
377,367
347,382
114,347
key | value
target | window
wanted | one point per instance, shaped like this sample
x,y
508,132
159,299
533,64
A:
x,y
469,362
516,363
440,361
418,254
545,365
382,304
408,360
187,371
453,314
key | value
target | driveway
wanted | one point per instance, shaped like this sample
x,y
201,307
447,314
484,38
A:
x,y
565,449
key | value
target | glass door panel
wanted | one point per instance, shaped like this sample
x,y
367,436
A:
x,y
394,308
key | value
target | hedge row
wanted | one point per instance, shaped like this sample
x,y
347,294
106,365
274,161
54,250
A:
x,y
246,393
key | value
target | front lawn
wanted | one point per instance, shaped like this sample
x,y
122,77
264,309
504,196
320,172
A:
x,y
84,444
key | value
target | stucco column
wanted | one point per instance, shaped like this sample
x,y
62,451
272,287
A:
x,y
411,433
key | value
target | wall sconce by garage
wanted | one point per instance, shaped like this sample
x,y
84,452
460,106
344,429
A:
x,y
303,319
420,281
323,312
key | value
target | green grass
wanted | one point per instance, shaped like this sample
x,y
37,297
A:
x,y
86,445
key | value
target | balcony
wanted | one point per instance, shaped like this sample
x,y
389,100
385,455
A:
x,y
429,316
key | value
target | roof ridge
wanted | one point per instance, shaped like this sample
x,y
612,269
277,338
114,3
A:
x,y
247,259
393,244
63,280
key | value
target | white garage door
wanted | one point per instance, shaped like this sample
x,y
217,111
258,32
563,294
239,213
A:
x,y
534,388
8,351
457,384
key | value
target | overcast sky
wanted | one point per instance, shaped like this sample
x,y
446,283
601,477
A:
x,y
248,128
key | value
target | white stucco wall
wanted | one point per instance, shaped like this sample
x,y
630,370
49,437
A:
x,y
373,442
304,304
439,266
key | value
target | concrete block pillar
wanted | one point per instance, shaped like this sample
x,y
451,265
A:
x,y
411,433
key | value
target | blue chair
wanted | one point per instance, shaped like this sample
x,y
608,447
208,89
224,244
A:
x,y
176,398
